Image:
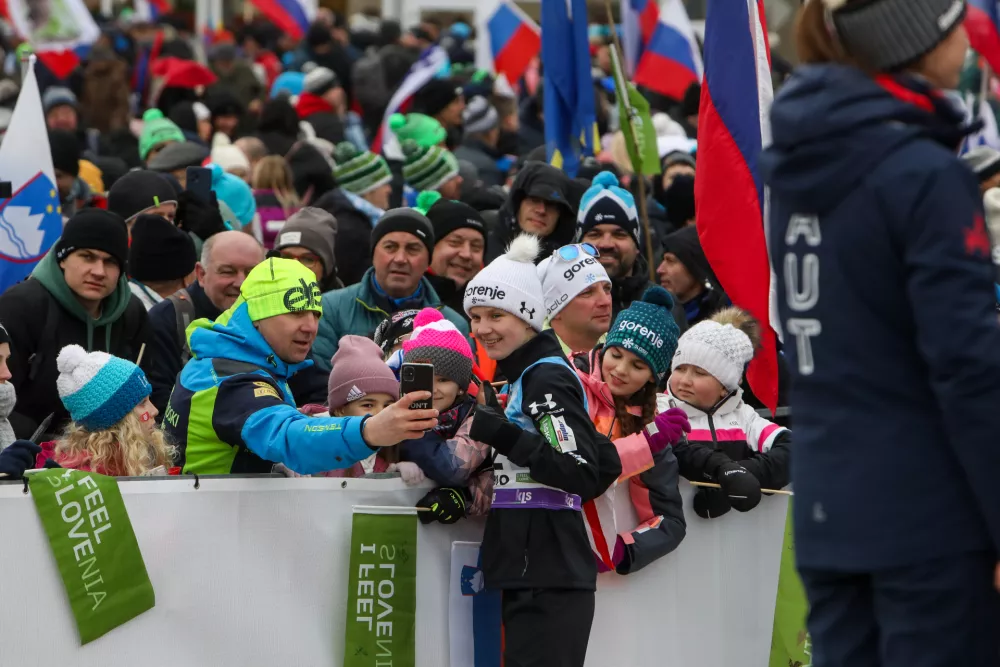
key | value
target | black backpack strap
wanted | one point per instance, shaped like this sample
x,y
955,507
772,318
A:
x,y
183,316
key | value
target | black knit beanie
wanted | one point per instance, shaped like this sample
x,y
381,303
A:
x,y
94,229
159,251
684,244
65,149
436,95
139,191
446,216
405,220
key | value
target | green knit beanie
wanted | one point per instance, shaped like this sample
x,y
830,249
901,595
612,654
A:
x,y
359,171
428,168
157,130
422,129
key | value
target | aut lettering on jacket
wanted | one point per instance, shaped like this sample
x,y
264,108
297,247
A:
x,y
86,522
376,588
802,286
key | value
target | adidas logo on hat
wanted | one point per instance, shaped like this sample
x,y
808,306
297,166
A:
x,y
354,394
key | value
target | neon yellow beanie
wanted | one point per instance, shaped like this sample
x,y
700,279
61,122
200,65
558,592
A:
x,y
277,286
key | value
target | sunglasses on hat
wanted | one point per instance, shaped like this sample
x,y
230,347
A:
x,y
571,252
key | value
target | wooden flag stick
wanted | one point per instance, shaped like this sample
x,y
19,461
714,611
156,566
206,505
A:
x,y
780,492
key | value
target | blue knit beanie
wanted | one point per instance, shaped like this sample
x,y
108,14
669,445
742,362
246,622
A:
x,y
236,195
290,83
605,203
98,390
647,329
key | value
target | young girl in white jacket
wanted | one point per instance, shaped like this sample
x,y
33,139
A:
x,y
729,442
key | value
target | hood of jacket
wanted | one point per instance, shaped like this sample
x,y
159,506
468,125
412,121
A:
x,y
541,176
50,275
833,125
233,336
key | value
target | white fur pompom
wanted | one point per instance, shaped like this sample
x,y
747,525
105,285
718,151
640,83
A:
x,y
524,249
69,358
833,5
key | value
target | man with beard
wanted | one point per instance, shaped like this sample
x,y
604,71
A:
x,y
226,259
609,221
460,243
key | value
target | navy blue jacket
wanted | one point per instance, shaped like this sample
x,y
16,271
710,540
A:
x,y
890,325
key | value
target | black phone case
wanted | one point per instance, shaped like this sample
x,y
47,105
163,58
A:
x,y
423,380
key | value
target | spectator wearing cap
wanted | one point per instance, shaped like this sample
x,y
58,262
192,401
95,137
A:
x,y
420,128
236,200
62,111
194,119
73,191
321,48
402,245
443,100
140,192
433,168
232,159
985,164
77,294
358,204
322,104
235,79
674,190
685,273
161,259
309,237
479,147
227,109
176,158
577,292
460,244
541,202
157,133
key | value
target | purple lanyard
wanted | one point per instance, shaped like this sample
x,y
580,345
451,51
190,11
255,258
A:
x,y
535,497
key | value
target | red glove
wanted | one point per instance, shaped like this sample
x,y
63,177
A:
x,y
667,429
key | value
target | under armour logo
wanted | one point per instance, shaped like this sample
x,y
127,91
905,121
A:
x,y
529,311
549,404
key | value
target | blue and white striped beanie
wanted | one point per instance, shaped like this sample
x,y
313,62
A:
x,y
606,203
98,389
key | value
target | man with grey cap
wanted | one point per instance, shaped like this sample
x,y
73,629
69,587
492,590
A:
x,y
61,109
308,237
402,243
479,147
175,158
323,104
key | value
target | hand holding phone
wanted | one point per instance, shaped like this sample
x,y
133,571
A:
x,y
417,377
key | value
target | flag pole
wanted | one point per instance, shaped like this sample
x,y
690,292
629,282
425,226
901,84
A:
x,y
641,179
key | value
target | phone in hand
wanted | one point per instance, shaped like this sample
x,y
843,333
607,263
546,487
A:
x,y
199,183
417,377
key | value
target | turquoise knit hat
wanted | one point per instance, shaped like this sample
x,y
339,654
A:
x,y
359,171
235,197
428,168
647,329
98,390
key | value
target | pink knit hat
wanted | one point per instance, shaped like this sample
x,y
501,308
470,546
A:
x,y
358,370
436,340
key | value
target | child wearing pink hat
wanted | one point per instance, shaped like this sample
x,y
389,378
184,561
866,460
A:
x,y
447,454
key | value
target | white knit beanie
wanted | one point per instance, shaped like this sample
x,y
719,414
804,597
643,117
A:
x,y
511,283
562,281
720,349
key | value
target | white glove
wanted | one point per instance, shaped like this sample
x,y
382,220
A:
x,y
410,472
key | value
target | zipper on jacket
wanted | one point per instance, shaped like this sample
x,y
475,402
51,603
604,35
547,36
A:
x,y
711,428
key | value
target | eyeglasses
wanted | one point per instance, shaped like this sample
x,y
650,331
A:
x,y
570,252
308,261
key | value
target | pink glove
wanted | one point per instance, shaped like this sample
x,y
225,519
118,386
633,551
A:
x,y
667,429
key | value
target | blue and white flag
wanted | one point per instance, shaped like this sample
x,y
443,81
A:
x,y
31,220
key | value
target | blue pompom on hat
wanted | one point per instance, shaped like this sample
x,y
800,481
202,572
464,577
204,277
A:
x,y
607,203
648,330
98,389
236,201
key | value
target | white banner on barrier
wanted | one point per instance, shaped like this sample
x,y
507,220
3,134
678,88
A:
x,y
253,573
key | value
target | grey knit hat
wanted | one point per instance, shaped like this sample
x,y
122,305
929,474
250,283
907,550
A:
x,y
357,171
313,229
891,34
479,116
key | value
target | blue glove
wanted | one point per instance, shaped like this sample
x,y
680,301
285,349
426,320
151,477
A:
x,y
18,457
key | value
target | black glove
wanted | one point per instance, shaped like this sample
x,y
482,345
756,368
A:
x,y
741,488
447,505
201,219
491,427
18,457
710,503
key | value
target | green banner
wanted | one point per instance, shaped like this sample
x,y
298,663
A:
x,y
636,123
382,592
790,643
95,549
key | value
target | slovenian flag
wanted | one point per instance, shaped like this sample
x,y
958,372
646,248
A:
x,y
291,16
432,63
982,22
670,61
31,220
733,128
515,40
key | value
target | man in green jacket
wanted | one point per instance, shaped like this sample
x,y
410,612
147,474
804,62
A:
x,y
231,410
402,243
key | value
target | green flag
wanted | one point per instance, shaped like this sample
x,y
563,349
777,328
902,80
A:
x,y
636,123
95,549
790,644
382,591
